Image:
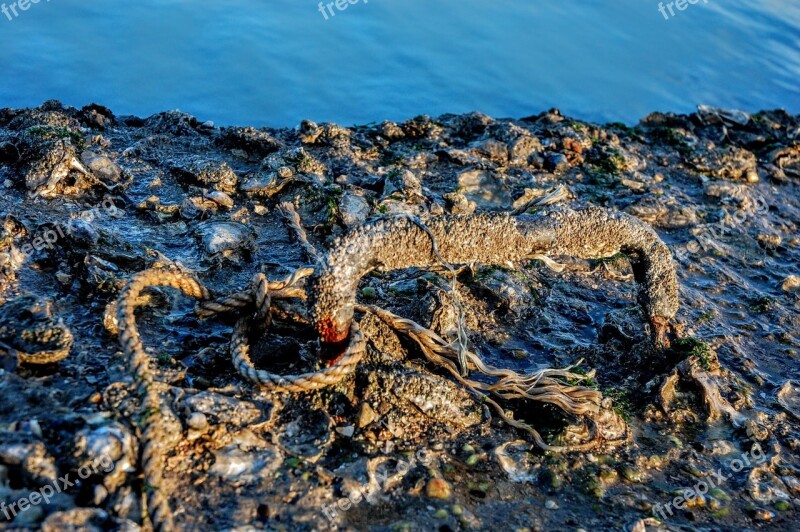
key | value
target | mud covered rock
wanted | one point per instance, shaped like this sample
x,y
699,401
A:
x,y
248,141
174,123
102,167
225,238
97,116
213,174
48,162
727,163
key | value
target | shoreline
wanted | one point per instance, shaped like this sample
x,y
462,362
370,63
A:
x,y
721,188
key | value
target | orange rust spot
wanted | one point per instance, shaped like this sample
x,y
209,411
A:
x,y
329,333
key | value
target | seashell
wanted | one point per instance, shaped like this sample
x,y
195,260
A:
x,y
225,237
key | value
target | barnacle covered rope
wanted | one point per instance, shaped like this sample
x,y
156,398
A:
x,y
398,243
158,423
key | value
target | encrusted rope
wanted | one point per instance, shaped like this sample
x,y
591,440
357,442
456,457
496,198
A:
x,y
153,426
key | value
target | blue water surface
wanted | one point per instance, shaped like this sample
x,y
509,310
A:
x,y
277,62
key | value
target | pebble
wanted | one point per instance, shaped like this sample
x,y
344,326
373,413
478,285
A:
x,y
197,421
101,166
347,431
441,513
522,148
551,505
353,210
557,163
438,488
791,283
31,517
366,415
215,174
782,506
763,515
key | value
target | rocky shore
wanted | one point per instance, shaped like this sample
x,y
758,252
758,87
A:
x,y
88,199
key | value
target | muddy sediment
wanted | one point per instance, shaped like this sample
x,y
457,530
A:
x,y
712,424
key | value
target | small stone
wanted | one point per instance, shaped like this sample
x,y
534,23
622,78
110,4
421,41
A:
x,y
197,421
769,241
402,182
30,518
494,150
101,166
791,283
631,474
366,415
438,488
782,505
260,210
763,515
347,431
100,494
441,513
556,163
473,459
522,148
214,174
457,510
551,505
353,209
635,185
609,476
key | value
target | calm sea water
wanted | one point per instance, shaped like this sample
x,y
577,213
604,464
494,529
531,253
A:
x,y
276,62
